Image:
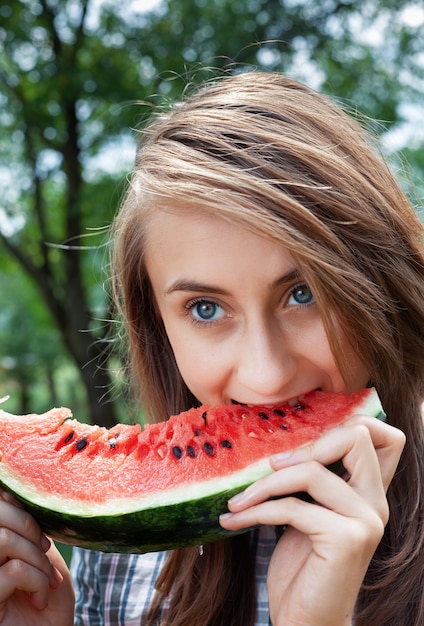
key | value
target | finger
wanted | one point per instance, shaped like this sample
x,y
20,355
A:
x,y
14,548
17,575
20,522
324,487
307,472
22,540
8,497
387,441
355,447
353,524
324,527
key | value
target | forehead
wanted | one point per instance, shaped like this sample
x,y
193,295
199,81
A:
x,y
197,245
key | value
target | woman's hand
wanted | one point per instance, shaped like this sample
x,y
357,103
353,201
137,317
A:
x,y
320,561
35,586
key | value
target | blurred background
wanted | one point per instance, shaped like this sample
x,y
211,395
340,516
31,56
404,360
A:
x,y
78,77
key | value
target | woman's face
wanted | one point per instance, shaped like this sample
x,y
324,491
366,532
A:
x,y
242,323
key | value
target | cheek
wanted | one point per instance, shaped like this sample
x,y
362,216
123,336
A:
x,y
319,353
313,347
353,371
203,370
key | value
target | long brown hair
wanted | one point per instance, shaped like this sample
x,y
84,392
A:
x,y
276,157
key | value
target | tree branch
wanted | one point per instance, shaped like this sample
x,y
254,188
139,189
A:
x,y
50,16
38,275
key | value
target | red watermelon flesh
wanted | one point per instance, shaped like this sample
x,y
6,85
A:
x,y
59,464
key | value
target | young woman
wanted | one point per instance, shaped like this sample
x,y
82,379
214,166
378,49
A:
x,y
264,250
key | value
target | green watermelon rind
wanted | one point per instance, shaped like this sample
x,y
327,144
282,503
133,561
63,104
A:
x,y
158,522
185,516
164,527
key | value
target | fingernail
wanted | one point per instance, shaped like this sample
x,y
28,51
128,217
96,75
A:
x,y
237,498
225,516
57,578
57,575
281,456
45,543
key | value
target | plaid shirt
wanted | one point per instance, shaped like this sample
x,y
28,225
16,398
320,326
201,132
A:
x,y
116,589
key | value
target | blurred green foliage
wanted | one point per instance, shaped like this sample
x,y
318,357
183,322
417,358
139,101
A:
x,y
76,78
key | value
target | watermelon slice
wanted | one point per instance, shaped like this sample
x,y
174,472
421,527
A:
x,y
129,489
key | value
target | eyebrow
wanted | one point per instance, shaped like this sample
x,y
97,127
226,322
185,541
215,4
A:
x,y
195,286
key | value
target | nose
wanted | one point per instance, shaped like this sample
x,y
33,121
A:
x,y
266,365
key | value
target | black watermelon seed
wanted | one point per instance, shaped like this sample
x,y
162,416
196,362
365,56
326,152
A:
x,y
69,436
204,414
81,443
263,415
279,413
197,432
177,452
298,407
191,451
208,448
226,444
283,426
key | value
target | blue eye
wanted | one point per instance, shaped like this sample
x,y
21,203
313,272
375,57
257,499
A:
x,y
301,294
206,311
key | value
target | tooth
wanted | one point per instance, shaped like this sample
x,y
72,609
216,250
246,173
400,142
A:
x,y
297,400
293,401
